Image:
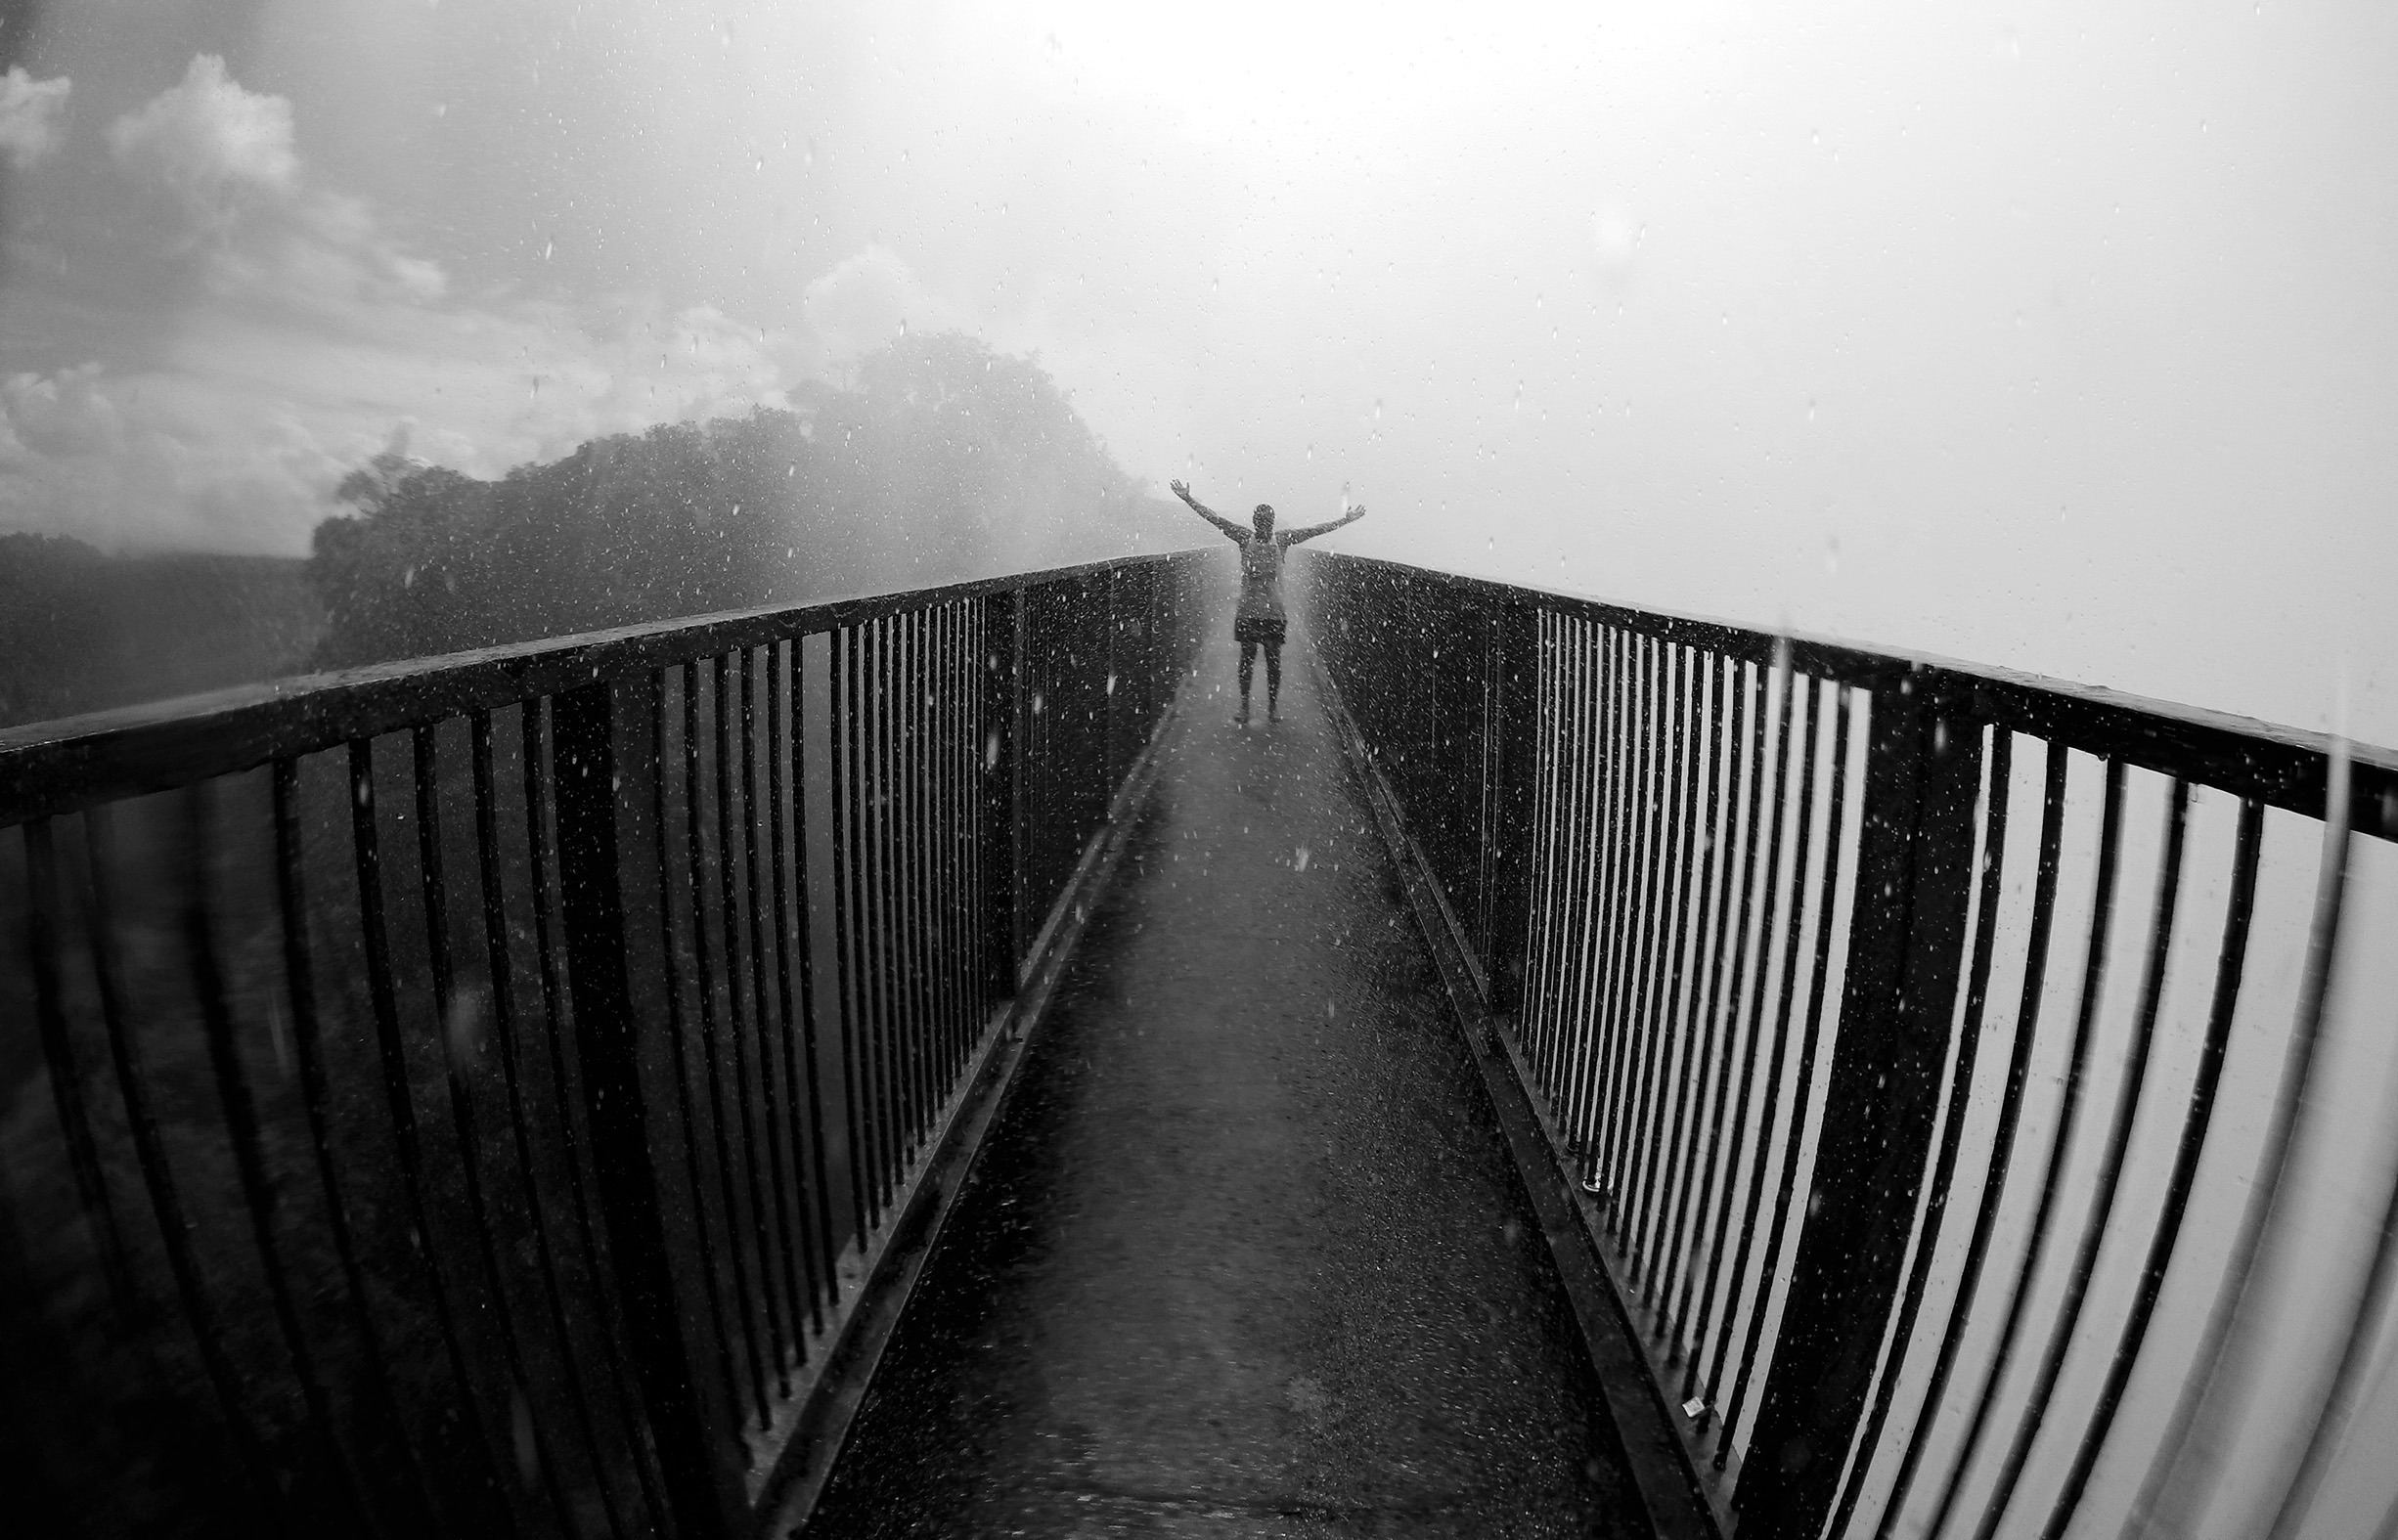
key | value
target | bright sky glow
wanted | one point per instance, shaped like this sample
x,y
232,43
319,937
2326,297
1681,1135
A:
x,y
2045,335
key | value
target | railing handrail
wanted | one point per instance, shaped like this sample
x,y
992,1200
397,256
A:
x,y
2283,766
70,763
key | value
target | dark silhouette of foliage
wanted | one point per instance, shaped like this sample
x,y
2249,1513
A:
x,y
940,458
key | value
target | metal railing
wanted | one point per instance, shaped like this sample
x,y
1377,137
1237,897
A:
x,y
471,1096
1883,1011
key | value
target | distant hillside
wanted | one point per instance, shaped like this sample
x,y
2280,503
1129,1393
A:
x,y
80,630
937,459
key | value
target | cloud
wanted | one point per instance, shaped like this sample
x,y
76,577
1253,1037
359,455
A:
x,y
227,161
236,437
867,300
315,331
210,143
154,460
30,111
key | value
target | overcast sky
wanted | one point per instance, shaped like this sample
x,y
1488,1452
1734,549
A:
x,y
2059,337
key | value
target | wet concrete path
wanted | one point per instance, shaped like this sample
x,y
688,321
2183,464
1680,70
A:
x,y
1245,1255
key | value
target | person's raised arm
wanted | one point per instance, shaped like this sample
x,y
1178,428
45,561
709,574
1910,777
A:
x,y
1294,536
1209,514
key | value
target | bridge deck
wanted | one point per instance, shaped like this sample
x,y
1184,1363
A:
x,y
1245,1253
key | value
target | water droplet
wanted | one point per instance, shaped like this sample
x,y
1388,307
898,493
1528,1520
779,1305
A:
x,y
546,247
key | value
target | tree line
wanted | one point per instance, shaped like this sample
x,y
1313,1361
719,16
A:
x,y
940,458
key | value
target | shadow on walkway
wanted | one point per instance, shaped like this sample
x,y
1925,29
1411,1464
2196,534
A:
x,y
1245,1254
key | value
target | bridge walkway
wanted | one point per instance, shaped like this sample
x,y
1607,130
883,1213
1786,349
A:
x,y
1245,1254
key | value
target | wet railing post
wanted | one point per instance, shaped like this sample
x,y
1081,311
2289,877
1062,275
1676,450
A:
x,y
1514,722
605,772
1914,890
1002,794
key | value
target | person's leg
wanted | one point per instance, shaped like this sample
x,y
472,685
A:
x,y
1273,679
1249,659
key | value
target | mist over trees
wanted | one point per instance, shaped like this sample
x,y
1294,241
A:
x,y
938,459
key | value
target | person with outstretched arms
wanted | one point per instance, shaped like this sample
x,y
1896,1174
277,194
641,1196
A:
x,y
1257,624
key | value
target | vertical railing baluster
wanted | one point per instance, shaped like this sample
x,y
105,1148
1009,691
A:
x,y
499,955
1752,966
1540,992
957,887
1637,1161
2299,1062
1581,868
2111,1159
2094,963
1793,1108
259,1198
733,753
999,807
1670,1297
704,980
1802,1082
915,825
788,842
1676,1019
803,938
1654,1067
300,985
1527,1017
1913,886
1582,1011
677,1035
460,1042
535,772
174,1221
883,934
1611,1073
1999,1165
1617,715
1689,1108
2231,961
1744,766
762,818
44,918
1512,821
841,731
382,991
608,771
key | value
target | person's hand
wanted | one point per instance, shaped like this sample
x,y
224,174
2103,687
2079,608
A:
x,y
1354,513
1181,489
